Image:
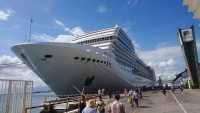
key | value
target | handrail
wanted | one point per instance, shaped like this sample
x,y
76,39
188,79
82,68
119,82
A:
x,y
61,102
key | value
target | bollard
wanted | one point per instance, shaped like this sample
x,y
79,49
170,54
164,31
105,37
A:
x,y
25,110
49,106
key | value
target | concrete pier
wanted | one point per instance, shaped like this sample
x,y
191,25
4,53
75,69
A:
x,y
156,102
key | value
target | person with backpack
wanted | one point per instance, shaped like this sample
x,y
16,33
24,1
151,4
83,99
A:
x,y
116,106
135,98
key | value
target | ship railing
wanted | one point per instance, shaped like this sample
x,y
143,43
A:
x,y
47,105
15,95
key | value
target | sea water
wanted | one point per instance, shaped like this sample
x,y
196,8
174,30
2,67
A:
x,y
37,99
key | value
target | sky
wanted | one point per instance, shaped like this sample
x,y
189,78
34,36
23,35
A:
x,y
152,25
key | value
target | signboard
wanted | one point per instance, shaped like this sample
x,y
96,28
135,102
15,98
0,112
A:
x,y
187,35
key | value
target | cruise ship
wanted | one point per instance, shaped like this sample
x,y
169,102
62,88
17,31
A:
x,y
101,59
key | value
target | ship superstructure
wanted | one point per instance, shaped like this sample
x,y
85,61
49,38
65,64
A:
x,y
115,40
100,59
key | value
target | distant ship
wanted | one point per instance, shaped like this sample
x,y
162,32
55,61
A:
x,y
101,59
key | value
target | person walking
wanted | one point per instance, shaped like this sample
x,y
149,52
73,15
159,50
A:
x,y
173,89
81,104
116,106
130,93
100,105
110,93
125,91
164,90
140,93
181,88
99,92
135,98
90,107
103,92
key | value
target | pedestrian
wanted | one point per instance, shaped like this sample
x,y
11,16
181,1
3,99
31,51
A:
x,y
181,88
173,89
125,91
135,98
136,90
110,93
140,93
103,92
130,93
116,106
90,107
99,92
164,90
81,104
100,105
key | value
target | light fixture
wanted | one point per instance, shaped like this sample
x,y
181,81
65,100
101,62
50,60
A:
x,y
88,50
97,53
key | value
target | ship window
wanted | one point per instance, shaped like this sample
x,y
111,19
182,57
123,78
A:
x,y
101,61
102,39
111,37
92,40
97,40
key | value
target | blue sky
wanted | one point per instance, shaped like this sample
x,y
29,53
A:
x,y
152,25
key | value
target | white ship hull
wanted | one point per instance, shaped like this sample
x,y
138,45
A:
x,y
63,74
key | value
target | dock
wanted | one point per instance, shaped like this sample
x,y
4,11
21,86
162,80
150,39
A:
x,y
156,102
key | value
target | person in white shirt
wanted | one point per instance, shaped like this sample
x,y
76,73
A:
x,y
116,106
99,92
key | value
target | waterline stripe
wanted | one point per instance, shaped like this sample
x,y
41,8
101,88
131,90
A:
x,y
179,104
144,103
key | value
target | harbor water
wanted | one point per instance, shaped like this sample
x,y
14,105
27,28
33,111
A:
x,y
37,99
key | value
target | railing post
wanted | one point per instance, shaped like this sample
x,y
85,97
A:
x,y
8,96
24,97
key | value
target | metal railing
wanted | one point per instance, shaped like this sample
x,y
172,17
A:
x,y
15,95
66,101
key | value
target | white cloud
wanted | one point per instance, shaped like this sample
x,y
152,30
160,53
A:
x,y
135,3
161,54
102,9
64,38
3,15
136,45
169,63
18,72
76,31
59,23
43,37
152,64
129,1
